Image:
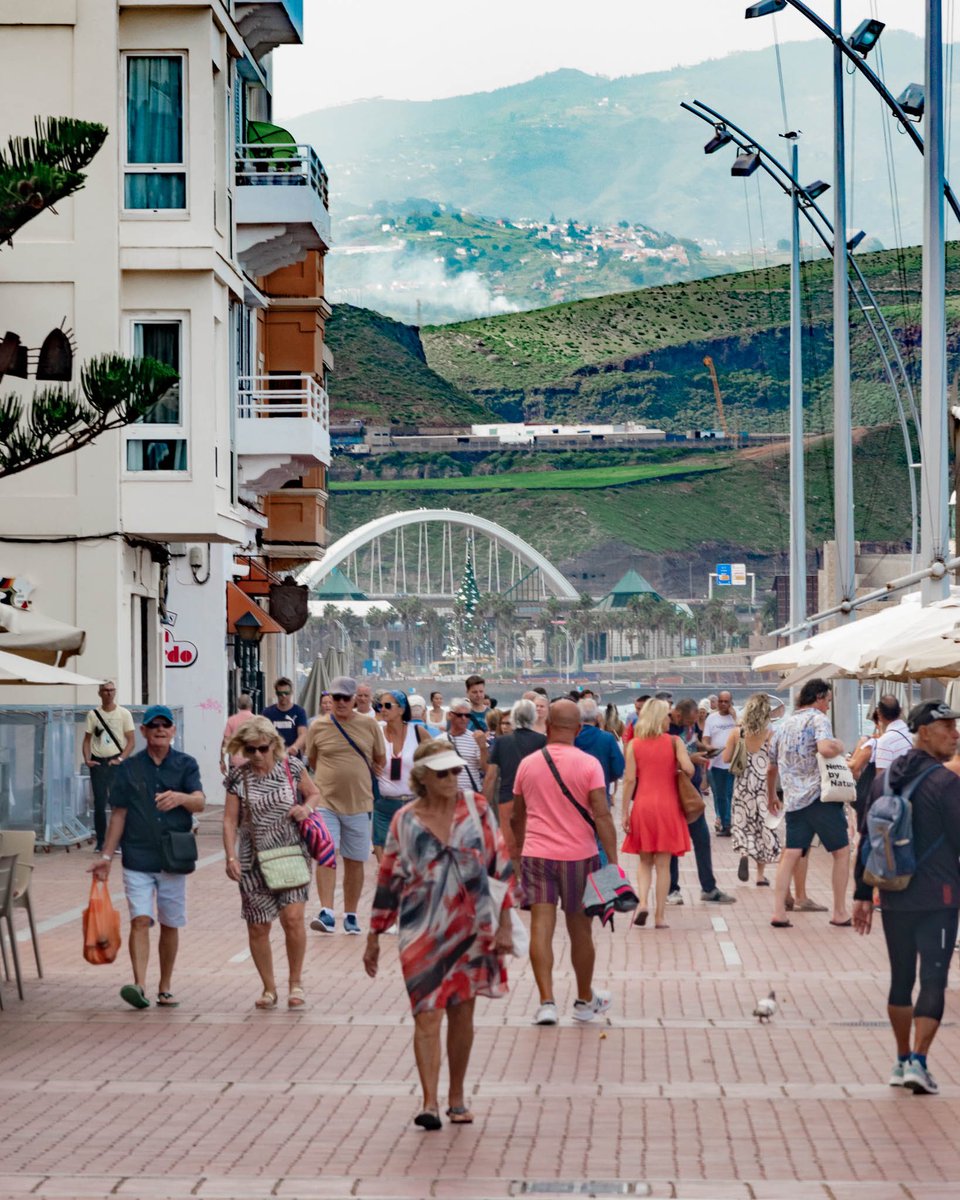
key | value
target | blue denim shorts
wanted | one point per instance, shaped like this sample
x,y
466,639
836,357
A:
x,y
160,891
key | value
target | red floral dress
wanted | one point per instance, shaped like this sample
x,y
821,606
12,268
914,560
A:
x,y
438,892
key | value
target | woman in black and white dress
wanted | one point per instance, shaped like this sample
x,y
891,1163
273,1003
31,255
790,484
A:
x,y
753,836
269,794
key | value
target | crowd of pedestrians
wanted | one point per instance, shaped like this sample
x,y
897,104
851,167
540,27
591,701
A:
x,y
475,812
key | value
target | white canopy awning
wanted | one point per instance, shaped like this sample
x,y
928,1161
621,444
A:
x,y
36,636
16,669
850,646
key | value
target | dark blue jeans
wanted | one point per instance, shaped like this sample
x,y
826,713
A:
x,y
721,784
700,836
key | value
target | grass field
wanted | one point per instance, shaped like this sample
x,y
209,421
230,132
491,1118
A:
x,y
586,478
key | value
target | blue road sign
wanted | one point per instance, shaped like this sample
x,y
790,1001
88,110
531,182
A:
x,y
724,575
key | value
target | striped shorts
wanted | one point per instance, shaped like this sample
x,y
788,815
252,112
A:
x,y
548,880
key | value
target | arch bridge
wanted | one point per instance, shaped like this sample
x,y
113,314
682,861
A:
x,y
424,551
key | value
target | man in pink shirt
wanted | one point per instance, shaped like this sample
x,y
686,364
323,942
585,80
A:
x,y
240,717
556,837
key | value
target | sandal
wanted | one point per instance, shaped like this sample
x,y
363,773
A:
x,y
166,1000
267,1000
134,995
641,917
763,883
782,924
459,1115
297,997
428,1119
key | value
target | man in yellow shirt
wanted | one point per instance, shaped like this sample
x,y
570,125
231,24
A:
x,y
108,740
345,750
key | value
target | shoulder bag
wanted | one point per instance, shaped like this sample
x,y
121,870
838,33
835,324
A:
x,y
738,763
313,831
284,867
373,778
466,767
692,803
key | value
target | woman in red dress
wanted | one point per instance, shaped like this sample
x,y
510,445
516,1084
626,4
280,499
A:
x,y
652,817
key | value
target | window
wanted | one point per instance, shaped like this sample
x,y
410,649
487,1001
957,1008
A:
x,y
157,441
154,174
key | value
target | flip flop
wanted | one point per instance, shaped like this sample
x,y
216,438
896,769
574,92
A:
x,y
842,924
789,904
459,1115
429,1119
134,995
641,917
782,924
763,883
166,1000
811,906
267,1000
297,997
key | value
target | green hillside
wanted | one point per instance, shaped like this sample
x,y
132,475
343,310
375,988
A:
x,y
745,505
382,374
553,481
639,355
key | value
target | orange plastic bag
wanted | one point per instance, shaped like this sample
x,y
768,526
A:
x,y
101,926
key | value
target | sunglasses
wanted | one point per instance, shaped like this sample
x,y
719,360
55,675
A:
x,y
160,725
249,751
457,716
338,696
445,773
389,705
284,692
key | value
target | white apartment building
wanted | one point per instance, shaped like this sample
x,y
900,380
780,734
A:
x,y
192,243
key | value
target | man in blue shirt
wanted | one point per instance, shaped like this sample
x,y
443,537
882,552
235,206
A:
x,y
155,795
289,719
599,744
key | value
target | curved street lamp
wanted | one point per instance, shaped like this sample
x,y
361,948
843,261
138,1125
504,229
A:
x,y
907,109
805,202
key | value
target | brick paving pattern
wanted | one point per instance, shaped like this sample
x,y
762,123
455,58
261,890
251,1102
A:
x,y
679,1093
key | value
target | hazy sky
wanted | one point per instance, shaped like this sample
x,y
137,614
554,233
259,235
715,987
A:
x,y
423,49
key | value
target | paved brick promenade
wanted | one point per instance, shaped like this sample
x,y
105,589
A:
x,y
680,1093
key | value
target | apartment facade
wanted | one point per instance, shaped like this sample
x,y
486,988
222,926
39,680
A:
x,y
198,239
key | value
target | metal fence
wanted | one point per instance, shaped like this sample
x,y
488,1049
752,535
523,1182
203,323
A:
x,y
44,782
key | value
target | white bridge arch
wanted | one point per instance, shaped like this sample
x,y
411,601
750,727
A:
x,y
548,580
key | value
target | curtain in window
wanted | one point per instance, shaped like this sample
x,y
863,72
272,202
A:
x,y
157,456
160,340
168,190
155,110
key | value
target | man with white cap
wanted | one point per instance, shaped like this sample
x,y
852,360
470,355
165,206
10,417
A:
x,y
345,751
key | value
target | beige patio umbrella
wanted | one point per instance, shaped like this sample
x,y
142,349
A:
x,y
935,655
16,669
36,636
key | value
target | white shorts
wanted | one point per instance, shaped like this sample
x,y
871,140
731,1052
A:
x,y
162,891
351,833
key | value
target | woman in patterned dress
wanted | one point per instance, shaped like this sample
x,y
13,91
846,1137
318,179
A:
x,y
752,837
434,880
271,793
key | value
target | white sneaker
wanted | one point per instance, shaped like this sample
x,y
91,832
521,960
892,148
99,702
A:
x,y
586,1011
919,1080
896,1074
546,1014
675,898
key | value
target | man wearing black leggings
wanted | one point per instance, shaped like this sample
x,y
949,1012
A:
x,y
921,921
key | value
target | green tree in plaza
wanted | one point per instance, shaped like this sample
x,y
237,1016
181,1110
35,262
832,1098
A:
x,y
36,173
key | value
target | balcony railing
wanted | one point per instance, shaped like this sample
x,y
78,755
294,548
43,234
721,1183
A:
x,y
275,164
295,397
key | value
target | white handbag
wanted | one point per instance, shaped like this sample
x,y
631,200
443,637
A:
x,y
837,785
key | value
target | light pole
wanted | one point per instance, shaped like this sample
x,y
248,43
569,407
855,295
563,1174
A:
x,y
934,523
798,509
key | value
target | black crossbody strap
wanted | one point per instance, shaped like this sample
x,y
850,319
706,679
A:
x,y
566,791
106,729
353,744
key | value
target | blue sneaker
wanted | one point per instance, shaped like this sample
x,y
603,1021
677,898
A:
x,y
325,922
351,924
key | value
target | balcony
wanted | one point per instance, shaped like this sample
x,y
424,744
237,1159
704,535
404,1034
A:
x,y
266,24
281,203
282,430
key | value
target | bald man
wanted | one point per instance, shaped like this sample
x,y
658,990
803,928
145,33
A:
x,y
560,812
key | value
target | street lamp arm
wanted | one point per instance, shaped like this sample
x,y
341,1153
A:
x,y
876,83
